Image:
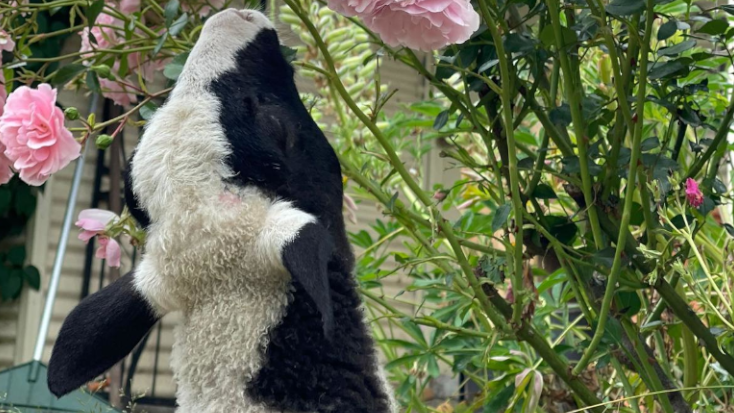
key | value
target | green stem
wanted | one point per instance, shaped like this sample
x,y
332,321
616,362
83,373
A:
x,y
653,380
629,195
690,354
628,389
507,88
574,95
538,342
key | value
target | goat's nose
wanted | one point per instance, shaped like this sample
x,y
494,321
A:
x,y
247,15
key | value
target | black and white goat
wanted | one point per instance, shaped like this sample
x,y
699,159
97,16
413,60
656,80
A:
x,y
241,196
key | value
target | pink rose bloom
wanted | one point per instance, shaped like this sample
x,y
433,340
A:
x,y
129,6
202,7
6,42
352,8
93,222
33,132
109,250
117,92
424,24
693,193
146,67
105,37
5,172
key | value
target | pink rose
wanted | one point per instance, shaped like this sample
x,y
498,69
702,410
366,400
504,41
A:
x,y
116,91
693,193
33,132
129,6
6,42
93,222
202,7
147,67
424,24
351,8
104,37
109,250
5,172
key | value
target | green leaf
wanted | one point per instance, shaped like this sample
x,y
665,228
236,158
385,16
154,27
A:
x,y
413,331
400,361
160,43
561,115
500,401
10,283
629,303
147,111
16,255
517,43
650,144
714,27
178,25
24,202
500,216
170,11
488,65
67,73
290,53
175,67
32,277
93,11
93,82
667,30
5,197
677,48
544,191
433,370
548,37
666,69
441,120
625,7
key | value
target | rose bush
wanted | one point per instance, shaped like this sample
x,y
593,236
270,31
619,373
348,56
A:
x,y
582,258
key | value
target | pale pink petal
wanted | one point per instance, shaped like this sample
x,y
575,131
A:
x,y
129,6
417,24
113,253
96,218
86,235
6,41
33,133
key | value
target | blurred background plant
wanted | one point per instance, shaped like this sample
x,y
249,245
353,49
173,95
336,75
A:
x,y
581,261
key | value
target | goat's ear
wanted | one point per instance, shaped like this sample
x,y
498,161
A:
x,y
306,257
99,332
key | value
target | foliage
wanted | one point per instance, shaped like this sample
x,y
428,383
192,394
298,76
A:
x,y
571,265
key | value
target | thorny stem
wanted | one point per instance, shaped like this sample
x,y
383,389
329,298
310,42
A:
x,y
517,205
629,195
574,96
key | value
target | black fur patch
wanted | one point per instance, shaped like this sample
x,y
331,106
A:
x,y
275,143
306,372
307,259
131,200
278,147
98,333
